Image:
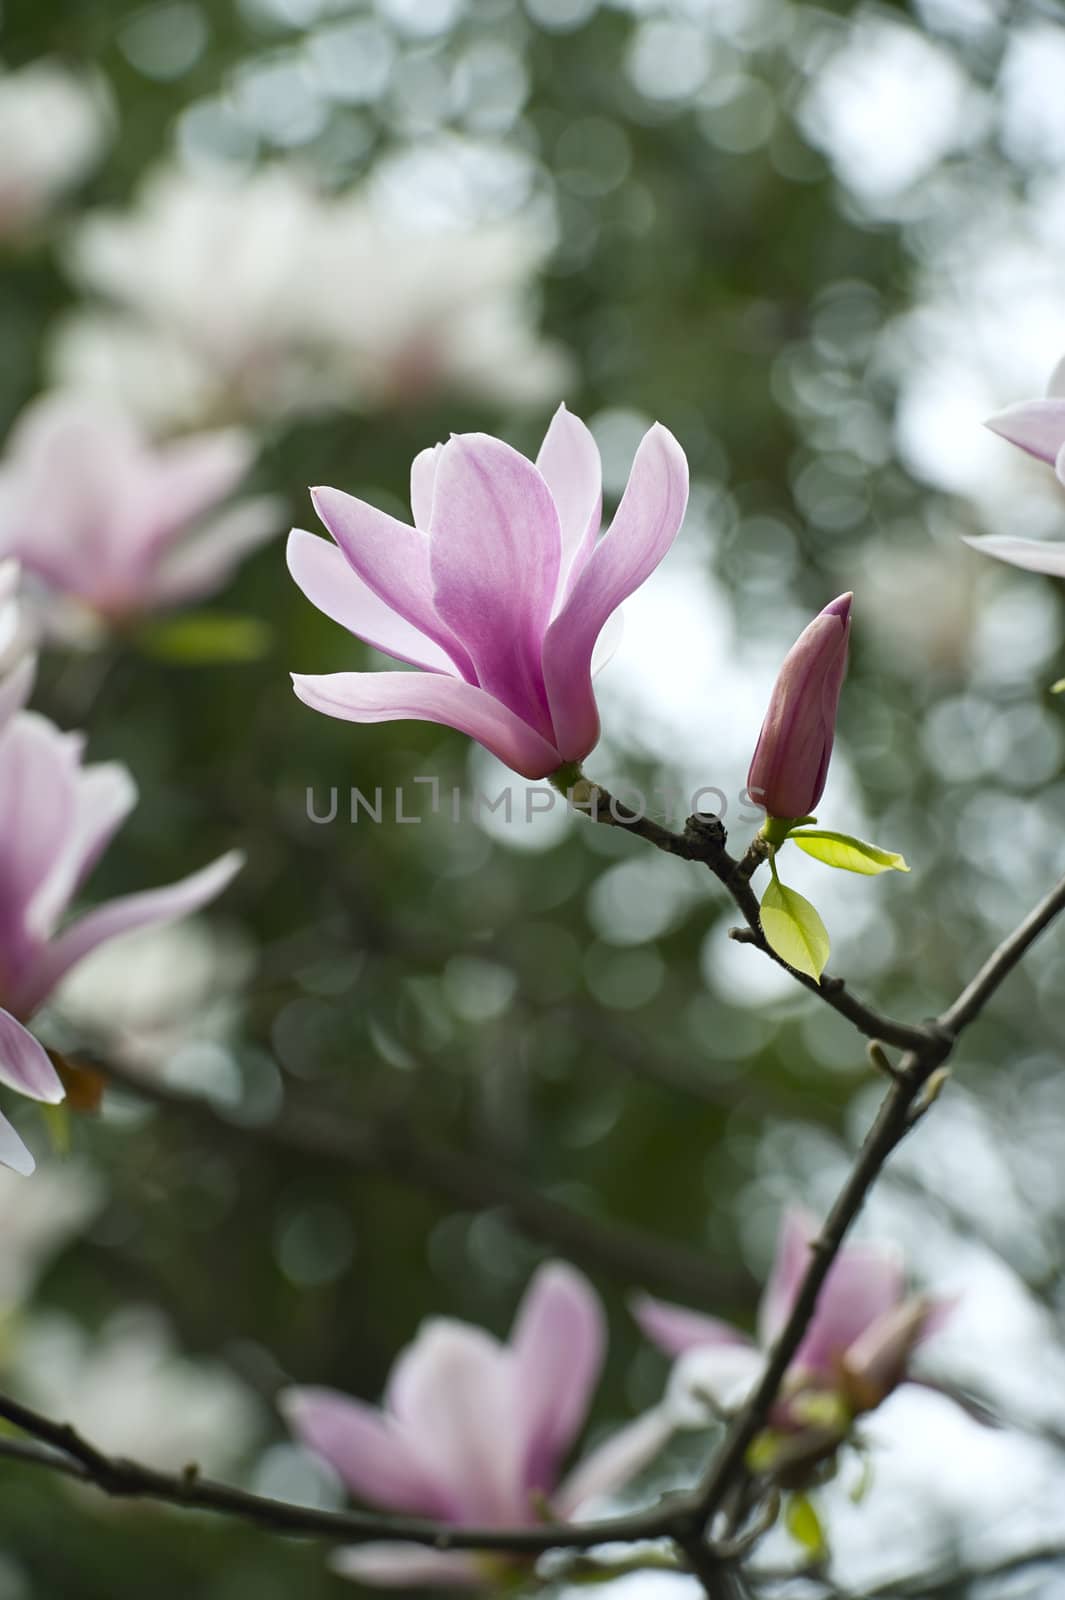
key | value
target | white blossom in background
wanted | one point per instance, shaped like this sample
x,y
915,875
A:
x,y
268,299
151,994
52,129
409,311
214,278
129,1389
39,1219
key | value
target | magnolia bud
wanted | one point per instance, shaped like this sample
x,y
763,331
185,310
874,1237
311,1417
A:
x,y
790,763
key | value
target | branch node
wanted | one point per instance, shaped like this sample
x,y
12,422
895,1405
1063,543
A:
x,y
880,1060
932,1091
758,851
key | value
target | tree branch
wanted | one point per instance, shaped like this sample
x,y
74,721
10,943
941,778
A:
x,y
685,1518
60,1448
704,840
392,1147
899,1110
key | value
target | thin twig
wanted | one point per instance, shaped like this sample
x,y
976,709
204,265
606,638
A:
x,y
684,1518
893,1121
394,1148
915,1080
62,1449
703,840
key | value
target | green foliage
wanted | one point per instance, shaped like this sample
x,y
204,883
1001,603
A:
x,y
844,851
794,929
206,639
804,1525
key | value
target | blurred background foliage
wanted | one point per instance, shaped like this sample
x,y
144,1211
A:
x,y
818,242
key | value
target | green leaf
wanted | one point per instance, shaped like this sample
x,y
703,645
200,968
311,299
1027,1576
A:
x,y
852,855
794,929
206,638
804,1525
1058,687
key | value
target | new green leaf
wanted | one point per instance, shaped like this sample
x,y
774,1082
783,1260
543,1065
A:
x,y
852,855
804,1525
794,929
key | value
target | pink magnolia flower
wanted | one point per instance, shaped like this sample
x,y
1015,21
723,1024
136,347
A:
x,y
790,763
56,819
99,514
856,1349
499,592
474,1432
1037,427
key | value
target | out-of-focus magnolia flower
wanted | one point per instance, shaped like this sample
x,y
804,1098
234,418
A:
x,y
216,279
474,1431
39,1219
855,1352
1038,427
17,662
159,990
51,131
117,524
499,592
130,1390
268,298
414,313
56,819
790,763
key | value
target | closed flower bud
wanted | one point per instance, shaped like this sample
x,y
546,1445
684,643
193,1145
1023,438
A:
x,y
790,763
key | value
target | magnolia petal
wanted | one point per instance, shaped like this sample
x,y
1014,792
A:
x,y
13,1152
104,797
1037,426
329,583
570,466
452,1391
675,1329
37,810
393,559
606,645
864,1283
24,1064
423,485
424,697
192,474
1034,555
404,1566
644,527
611,1465
495,550
558,1342
16,688
877,1360
797,1231
149,908
365,1448
200,565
